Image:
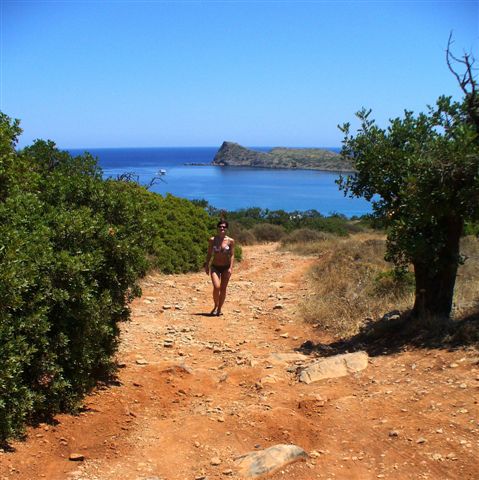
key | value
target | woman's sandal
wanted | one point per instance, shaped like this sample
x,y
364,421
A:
x,y
213,312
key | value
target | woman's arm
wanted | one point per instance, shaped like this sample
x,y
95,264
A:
x,y
232,258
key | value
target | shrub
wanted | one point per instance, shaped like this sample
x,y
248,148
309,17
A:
x,y
72,248
471,228
353,284
396,281
304,235
241,235
343,282
266,232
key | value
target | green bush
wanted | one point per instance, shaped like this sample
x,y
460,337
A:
x,y
241,235
266,232
72,248
471,228
247,219
397,282
304,235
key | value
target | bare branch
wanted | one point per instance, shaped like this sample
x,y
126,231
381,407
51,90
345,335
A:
x,y
154,181
131,177
466,80
450,56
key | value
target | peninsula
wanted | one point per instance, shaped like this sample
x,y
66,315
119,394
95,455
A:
x,y
234,155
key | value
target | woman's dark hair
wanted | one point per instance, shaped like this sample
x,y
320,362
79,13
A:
x,y
222,222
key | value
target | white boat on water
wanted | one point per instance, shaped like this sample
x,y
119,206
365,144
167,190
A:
x,y
161,172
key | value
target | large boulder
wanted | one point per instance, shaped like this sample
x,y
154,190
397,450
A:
x,y
332,367
264,462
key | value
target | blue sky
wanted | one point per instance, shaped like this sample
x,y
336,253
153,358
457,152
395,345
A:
x,y
195,73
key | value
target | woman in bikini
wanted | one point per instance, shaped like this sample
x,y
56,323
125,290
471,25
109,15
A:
x,y
222,249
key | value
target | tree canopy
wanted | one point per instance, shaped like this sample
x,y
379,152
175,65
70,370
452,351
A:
x,y
422,175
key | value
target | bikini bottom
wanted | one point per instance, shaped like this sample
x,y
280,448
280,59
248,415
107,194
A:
x,y
219,269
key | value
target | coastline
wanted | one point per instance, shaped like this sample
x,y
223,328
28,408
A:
x,y
273,167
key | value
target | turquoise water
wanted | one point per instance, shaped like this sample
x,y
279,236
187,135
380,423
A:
x,y
229,188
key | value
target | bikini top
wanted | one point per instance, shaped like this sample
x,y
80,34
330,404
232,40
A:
x,y
221,249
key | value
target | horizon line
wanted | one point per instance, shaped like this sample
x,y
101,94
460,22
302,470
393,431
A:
x,y
196,146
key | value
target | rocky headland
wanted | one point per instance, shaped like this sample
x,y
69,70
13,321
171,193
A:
x,y
234,155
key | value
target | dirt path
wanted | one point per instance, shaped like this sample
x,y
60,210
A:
x,y
198,390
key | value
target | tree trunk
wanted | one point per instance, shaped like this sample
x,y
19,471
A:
x,y
435,280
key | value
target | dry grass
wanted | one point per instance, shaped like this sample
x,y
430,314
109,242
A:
x,y
466,294
353,284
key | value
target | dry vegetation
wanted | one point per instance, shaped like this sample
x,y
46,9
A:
x,y
353,284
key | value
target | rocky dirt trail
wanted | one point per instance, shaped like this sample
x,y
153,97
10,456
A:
x,y
195,392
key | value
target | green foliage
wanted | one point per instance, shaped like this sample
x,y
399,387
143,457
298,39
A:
x,y
238,252
397,282
266,232
247,219
471,228
181,234
422,174
304,235
72,248
242,235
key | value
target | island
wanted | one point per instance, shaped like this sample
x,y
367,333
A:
x,y
234,155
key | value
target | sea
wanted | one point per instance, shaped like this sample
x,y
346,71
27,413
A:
x,y
228,188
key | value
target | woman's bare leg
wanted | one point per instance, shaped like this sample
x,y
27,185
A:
x,y
225,278
216,290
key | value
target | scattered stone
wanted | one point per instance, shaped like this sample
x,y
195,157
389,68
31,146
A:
x,y
394,315
284,335
394,433
76,457
215,461
332,367
228,472
166,307
421,440
269,380
256,464
141,361
287,357
278,306
74,473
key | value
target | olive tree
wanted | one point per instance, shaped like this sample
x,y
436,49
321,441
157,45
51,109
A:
x,y
422,175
